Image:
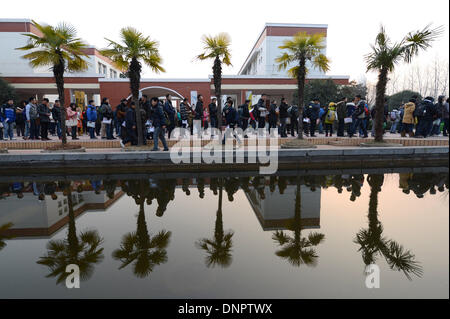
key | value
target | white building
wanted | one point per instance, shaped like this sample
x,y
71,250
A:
x,y
261,60
12,64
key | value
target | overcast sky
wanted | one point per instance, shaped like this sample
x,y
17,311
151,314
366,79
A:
x,y
179,25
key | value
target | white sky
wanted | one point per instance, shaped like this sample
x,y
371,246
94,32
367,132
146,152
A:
x,y
179,25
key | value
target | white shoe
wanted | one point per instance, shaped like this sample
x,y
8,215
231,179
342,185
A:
x,y
121,144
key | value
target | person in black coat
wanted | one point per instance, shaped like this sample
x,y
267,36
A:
x,y
231,118
130,126
159,123
44,117
283,116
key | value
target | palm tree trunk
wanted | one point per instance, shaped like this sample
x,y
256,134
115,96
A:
x,y
72,232
58,74
298,212
135,80
217,74
379,104
218,229
301,78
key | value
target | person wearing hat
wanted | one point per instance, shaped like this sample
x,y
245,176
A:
x,y
330,117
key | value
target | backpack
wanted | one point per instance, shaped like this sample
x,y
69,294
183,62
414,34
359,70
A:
x,y
393,115
331,116
419,111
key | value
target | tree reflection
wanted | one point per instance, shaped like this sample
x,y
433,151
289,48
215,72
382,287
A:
x,y
3,229
140,248
218,249
298,250
83,250
373,244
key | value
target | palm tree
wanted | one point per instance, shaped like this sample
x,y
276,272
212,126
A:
x,y
140,247
218,249
217,48
3,229
83,250
298,250
301,49
60,49
127,57
386,55
373,243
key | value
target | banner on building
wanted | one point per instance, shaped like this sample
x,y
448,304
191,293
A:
x,y
193,98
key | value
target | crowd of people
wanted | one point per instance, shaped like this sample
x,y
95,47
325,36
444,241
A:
x,y
37,120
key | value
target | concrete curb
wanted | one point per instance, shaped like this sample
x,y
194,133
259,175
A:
x,y
312,156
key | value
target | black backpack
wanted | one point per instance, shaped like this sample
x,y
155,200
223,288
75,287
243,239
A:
x,y
420,110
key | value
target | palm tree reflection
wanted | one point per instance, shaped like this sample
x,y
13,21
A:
x,y
373,244
140,248
83,250
298,250
218,250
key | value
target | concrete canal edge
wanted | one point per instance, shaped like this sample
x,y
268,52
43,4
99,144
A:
x,y
287,158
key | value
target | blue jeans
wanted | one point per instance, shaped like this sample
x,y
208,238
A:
x,y
159,133
27,129
360,123
58,129
109,131
8,130
92,132
394,127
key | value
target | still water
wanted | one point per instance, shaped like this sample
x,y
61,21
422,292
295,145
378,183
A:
x,y
225,236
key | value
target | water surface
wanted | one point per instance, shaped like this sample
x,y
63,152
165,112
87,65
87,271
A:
x,y
203,236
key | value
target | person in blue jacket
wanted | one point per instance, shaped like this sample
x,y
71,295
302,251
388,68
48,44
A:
x,y
9,118
91,114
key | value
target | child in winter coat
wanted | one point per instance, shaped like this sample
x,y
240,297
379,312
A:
x,y
330,117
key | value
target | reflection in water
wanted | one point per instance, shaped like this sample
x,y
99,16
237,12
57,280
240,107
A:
x,y
298,250
27,211
3,235
83,250
140,248
218,249
373,243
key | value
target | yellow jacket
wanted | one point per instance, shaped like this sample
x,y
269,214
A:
x,y
408,117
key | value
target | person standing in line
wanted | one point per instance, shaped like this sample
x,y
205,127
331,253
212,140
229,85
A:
x,y
20,119
56,114
245,115
273,116
408,118
72,120
436,130
350,111
198,112
9,115
121,111
341,110
44,118
184,115
91,114
294,119
159,123
130,127
171,114
32,116
284,115
329,119
313,114
359,116
262,112
445,117
107,115
230,115
428,112
213,112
